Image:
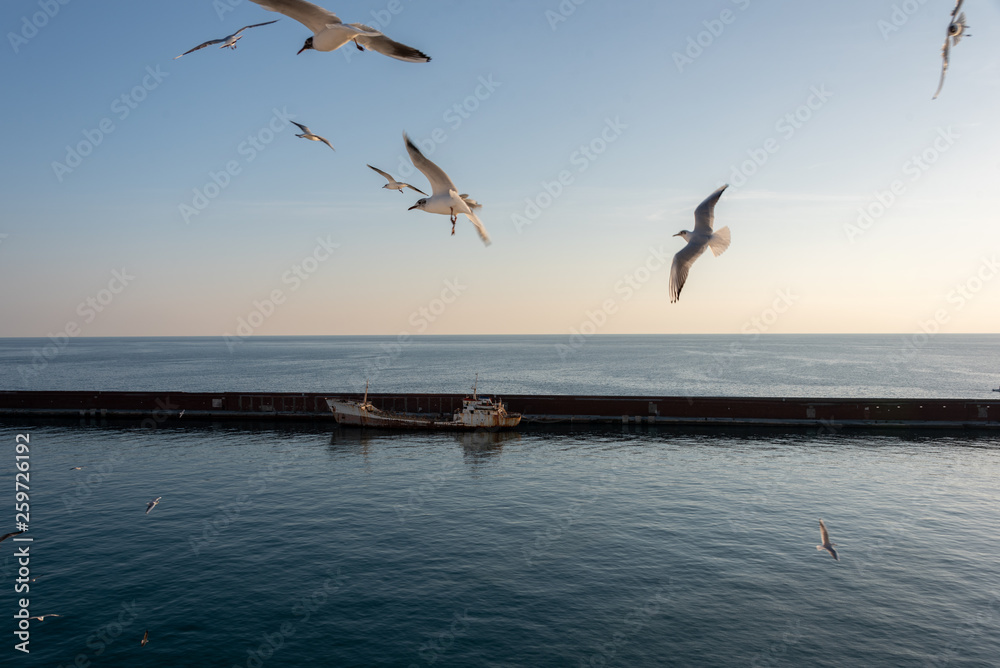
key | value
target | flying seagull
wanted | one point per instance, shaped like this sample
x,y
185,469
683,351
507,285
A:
x,y
145,639
394,184
308,134
42,617
445,198
8,535
330,33
956,30
701,238
827,545
152,504
228,40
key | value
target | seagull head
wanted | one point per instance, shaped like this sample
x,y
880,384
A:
x,y
683,234
307,45
421,203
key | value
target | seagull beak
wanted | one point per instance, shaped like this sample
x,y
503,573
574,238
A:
x,y
678,234
300,50
412,207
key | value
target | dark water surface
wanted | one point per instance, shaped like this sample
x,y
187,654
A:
x,y
295,546
308,546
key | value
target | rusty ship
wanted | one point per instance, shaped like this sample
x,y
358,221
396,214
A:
x,y
476,412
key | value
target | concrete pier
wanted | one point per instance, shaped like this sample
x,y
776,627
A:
x,y
160,407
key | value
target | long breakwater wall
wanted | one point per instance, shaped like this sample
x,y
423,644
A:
x,y
161,407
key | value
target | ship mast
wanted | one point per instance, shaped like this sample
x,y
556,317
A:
x,y
474,386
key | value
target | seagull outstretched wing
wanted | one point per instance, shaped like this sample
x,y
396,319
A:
x,y
387,47
311,16
704,215
440,182
683,260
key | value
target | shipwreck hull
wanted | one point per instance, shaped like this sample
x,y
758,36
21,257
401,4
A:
x,y
351,414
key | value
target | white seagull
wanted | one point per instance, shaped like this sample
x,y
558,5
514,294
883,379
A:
x,y
308,134
956,30
827,545
330,33
41,618
394,184
701,238
445,198
152,504
228,40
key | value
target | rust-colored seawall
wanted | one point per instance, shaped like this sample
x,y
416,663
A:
x,y
159,407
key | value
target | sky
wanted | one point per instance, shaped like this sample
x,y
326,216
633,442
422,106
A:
x,y
148,196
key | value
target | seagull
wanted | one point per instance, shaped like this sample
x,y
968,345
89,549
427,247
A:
x,y
956,30
42,617
330,33
445,198
228,40
152,504
827,545
181,414
308,134
698,240
145,639
394,184
77,468
8,535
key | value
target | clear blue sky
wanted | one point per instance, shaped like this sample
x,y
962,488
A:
x,y
668,132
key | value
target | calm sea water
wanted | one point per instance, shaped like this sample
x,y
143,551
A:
x,y
946,366
635,547
311,546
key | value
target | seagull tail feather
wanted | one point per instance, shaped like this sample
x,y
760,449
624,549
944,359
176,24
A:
x,y
719,241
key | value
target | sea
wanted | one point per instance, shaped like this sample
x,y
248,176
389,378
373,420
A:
x,y
636,545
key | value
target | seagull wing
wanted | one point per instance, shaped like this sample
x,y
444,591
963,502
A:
x,y
483,234
682,264
8,535
311,16
944,66
326,141
704,215
202,46
958,7
407,185
304,128
824,536
388,177
388,47
440,183
255,25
